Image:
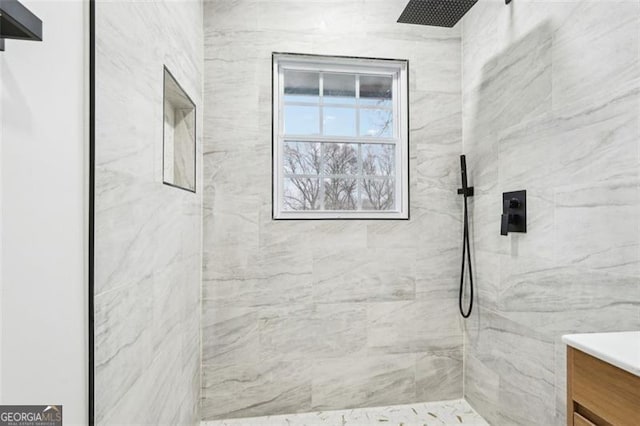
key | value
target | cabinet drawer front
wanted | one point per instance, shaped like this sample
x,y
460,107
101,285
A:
x,y
611,393
578,420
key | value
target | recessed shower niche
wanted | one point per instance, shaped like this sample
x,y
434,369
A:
x,y
179,147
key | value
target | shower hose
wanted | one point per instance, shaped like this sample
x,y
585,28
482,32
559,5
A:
x,y
466,252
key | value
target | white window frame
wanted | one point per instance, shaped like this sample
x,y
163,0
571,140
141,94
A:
x,y
398,69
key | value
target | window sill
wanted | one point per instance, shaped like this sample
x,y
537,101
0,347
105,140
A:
x,y
356,215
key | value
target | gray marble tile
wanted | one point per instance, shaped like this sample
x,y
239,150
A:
x,y
481,152
175,304
414,326
515,84
524,361
439,375
490,28
483,20
438,210
229,335
439,243
431,49
586,143
124,346
320,331
587,40
363,381
438,131
139,405
344,234
481,388
611,214
286,235
235,119
363,275
443,77
437,161
276,277
229,16
395,234
253,182
439,288
124,233
253,389
562,299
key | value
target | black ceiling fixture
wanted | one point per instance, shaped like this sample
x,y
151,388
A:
x,y
438,13
17,22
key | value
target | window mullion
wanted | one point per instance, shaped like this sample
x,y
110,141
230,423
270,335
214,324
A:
x,y
360,177
321,106
338,139
321,176
358,104
321,112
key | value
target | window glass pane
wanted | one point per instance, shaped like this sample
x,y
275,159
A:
x,y
301,86
302,158
340,159
340,194
376,123
378,159
301,120
339,121
339,89
376,90
378,194
301,194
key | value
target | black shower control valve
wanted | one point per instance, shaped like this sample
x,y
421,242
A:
x,y
504,224
514,212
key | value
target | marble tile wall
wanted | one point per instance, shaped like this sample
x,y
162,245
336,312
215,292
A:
x,y
551,104
148,235
314,315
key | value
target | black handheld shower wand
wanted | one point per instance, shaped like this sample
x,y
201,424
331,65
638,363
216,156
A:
x,y
466,247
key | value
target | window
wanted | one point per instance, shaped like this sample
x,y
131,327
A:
x,y
340,138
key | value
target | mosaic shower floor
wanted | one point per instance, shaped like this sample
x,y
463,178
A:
x,y
449,413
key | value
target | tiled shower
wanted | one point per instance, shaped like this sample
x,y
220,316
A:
x,y
206,308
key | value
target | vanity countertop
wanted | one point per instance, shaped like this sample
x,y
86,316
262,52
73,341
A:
x,y
621,349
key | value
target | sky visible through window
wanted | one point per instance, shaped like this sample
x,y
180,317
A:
x,y
341,109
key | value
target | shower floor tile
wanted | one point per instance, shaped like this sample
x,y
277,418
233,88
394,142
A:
x,y
456,412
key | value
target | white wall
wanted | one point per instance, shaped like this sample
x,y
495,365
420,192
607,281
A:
x,y
44,143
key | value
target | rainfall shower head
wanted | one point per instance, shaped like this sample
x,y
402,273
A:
x,y
439,13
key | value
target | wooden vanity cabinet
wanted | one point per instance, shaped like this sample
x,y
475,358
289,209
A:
x,y
599,393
